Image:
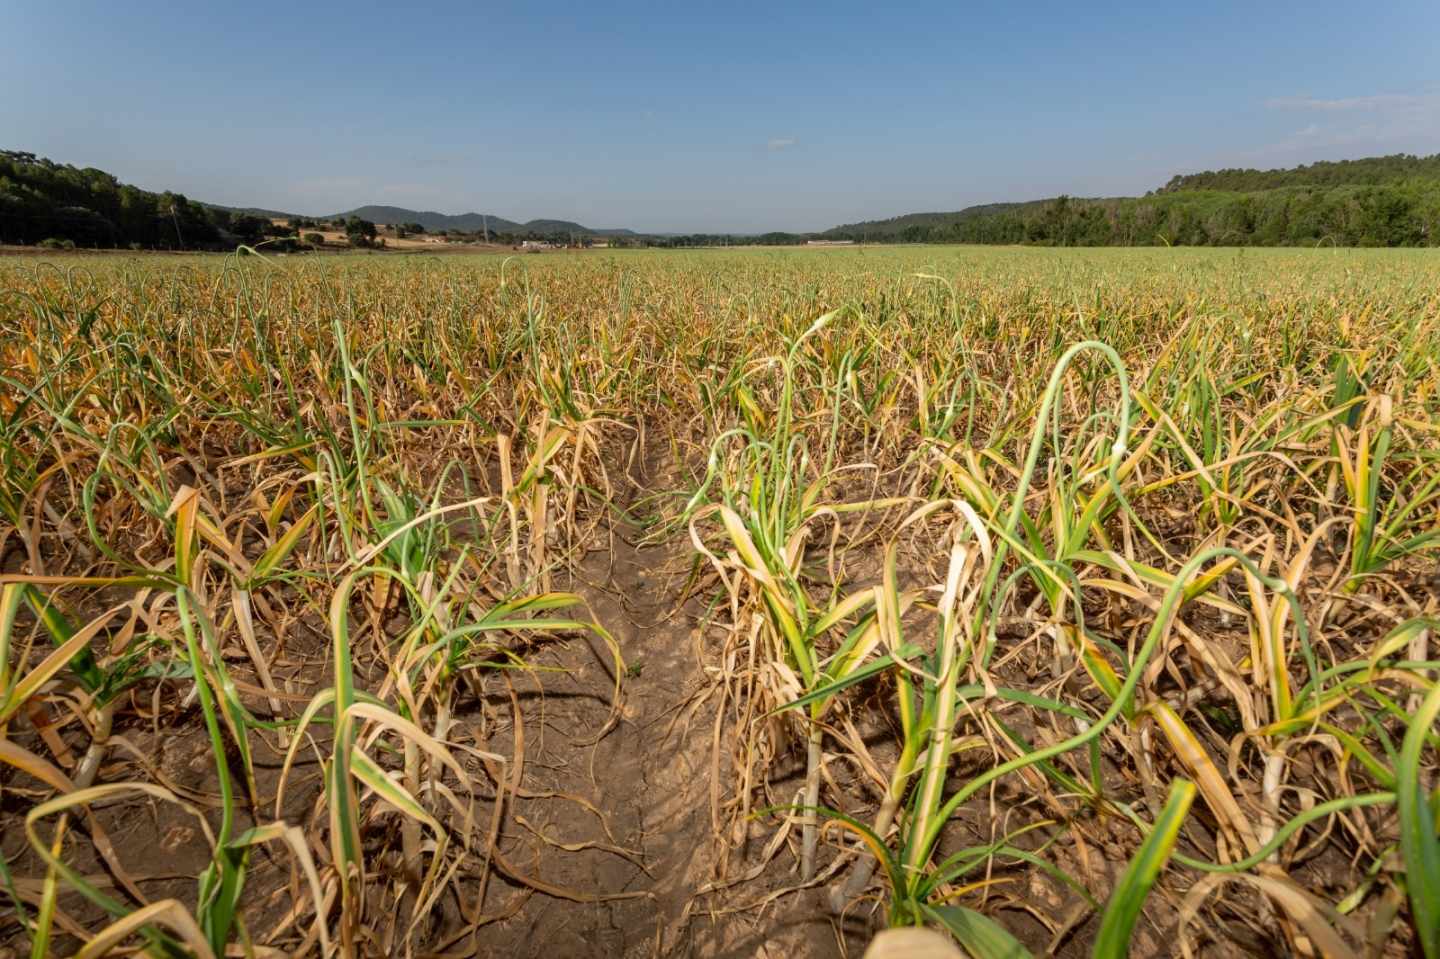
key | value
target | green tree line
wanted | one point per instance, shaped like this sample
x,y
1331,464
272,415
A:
x,y
1379,201
1371,171
43,200
1401,214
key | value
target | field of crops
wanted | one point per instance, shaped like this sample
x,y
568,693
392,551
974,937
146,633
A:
x,y
721,603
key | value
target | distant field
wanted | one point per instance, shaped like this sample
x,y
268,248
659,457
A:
x,y
634,602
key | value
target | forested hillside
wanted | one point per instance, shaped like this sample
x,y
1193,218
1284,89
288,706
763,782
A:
x,y
54,203
41,200
1371,171
1383,201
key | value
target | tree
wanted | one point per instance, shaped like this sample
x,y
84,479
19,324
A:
x,y
249,228
360,232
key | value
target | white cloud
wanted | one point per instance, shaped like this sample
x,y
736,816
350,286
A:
x,y
1378,123
1379,103
781,143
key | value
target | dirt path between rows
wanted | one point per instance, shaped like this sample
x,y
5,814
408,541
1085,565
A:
x,y
649,785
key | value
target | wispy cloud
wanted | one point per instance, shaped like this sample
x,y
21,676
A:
x,y
1379,103
781,143
1408,122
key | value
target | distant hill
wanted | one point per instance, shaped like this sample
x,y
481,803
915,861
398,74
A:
x,y
41,200
251,211
566,226
470,222
1376,201
896,226
1371,171
430,220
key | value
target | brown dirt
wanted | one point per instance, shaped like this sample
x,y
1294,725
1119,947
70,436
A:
x,y
628,815
650,778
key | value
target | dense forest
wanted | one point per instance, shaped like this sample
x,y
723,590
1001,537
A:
x,y
1383,201
1371,171
56,204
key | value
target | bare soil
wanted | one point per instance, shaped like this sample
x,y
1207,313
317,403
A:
x,y
612,845
608,848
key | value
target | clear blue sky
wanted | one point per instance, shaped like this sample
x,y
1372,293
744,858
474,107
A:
x,y
706,116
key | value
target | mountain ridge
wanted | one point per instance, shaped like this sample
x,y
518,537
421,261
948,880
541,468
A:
x,y
471,222
896,224
434,221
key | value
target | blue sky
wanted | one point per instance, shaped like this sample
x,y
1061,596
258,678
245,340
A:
x,y
683,117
